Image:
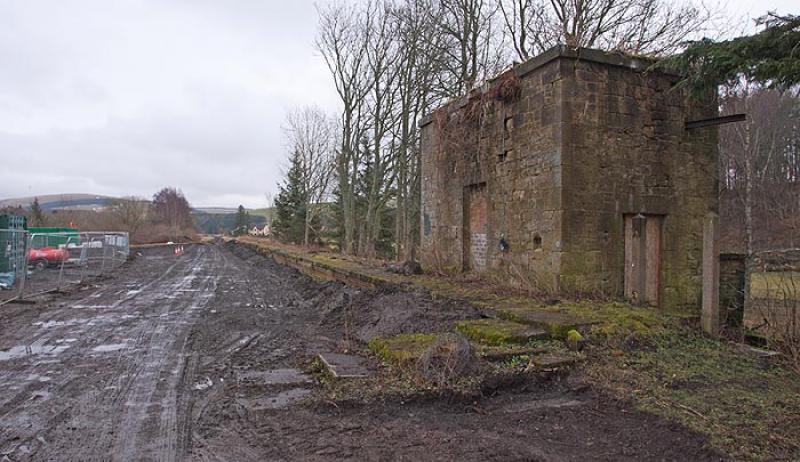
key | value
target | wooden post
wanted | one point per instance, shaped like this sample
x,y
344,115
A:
x,y
710,317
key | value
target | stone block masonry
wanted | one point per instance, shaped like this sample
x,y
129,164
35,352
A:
x,y
563,148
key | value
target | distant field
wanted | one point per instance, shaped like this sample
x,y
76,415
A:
x,y
776,285
265,212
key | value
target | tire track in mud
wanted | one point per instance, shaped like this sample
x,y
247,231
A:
x,y
120,390
152,400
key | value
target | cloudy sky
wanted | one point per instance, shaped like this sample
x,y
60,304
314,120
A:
x,y
124,97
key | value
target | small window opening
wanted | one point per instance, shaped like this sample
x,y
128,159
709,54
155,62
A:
x,y
503,156
508,124
537,242
503,244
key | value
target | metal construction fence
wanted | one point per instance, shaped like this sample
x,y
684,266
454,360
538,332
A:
x,y
37,263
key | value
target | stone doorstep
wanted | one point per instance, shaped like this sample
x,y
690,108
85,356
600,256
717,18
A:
x,y
342,366
766,356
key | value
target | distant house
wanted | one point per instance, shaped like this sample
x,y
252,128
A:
x,y
256,231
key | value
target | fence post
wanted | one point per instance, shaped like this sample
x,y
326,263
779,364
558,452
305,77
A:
x,y
103,265
63,260
709,318
28,240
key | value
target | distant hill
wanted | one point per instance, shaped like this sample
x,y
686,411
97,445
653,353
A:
x,y
218,223
266,212
214,210
210,220
50,202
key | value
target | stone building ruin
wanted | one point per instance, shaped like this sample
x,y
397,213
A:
x,y
575,173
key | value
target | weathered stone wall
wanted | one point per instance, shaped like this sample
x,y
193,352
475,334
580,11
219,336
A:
x,y
513,147
626,151
588,140
731,287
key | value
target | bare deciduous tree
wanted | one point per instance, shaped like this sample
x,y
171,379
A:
x,y
419,67
311,134
172,209
649,27
131,212
469,50
341,40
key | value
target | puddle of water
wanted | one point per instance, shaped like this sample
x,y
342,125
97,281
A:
x,y
276,376
203,385
109,347
49,324
21,351
38,378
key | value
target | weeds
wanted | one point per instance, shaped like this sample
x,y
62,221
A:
x,y
747,408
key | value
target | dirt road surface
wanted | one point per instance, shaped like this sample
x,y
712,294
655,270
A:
x,y
199,357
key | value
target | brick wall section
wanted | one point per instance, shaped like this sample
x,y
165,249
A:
x,y
587,141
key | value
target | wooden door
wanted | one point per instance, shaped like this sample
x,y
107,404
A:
x,y
643,258
476,205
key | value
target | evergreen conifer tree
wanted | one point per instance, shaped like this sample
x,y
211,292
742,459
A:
x,y
290,205
242,222
37,215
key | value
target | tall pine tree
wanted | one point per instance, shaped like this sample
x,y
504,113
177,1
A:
x,y
37,215
242,222
290,205
769,57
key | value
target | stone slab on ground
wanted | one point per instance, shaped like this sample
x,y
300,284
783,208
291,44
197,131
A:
x,y
342,366
553,361
502,353
499,331
557,324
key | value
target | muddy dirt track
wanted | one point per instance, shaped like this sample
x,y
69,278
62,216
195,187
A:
x,y
199,358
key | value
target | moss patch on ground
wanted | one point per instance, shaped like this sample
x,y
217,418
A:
x,y
748,409
401,349
607,318
498,331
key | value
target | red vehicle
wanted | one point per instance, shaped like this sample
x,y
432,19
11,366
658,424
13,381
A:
x,y
47,256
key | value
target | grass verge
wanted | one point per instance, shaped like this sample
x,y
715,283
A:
x,y
747,408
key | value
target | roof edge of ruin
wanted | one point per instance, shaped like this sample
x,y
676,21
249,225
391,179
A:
x,y
618,59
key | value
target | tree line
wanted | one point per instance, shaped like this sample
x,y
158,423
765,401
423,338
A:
x,y
165,217
357,172
759,168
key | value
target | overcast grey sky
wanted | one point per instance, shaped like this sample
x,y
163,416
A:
x,y
125,97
